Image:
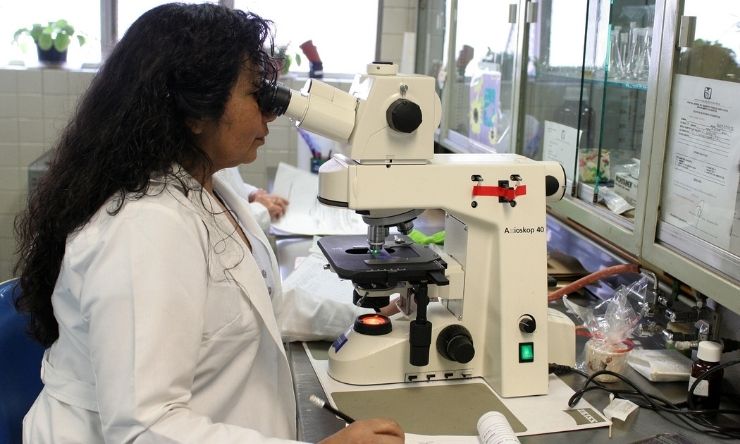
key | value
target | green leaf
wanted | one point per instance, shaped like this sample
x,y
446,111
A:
x,y
81,40
61,43
36,32
298,59
19,32
44,41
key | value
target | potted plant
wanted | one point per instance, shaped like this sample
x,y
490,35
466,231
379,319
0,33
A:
x,y
51,40
285,59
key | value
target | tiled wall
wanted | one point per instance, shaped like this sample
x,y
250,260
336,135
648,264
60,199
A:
x,y
36,103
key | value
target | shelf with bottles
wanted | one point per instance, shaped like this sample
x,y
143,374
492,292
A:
x,y
591,77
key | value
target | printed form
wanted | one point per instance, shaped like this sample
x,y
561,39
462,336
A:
x,y
702,165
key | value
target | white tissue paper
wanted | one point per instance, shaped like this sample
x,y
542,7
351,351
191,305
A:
x,y
661,365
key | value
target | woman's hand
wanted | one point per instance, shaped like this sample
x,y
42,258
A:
x,y
275,204
370,431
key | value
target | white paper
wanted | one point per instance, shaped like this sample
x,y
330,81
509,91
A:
x,y
559,144
703,158
305,215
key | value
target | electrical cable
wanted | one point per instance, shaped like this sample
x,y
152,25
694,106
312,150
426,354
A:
x,y
591,278
696,419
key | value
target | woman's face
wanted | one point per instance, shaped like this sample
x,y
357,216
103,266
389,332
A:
x,y
235,137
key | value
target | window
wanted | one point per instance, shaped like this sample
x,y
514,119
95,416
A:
x,y
345,39
83,15
130,10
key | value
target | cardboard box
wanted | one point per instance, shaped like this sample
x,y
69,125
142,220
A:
x,y
626,186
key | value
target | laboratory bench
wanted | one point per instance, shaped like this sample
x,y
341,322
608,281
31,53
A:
x,y
315,423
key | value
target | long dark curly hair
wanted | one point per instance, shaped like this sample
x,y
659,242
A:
x,y
176,62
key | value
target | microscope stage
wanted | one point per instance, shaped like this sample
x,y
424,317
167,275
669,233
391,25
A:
x,y
350,258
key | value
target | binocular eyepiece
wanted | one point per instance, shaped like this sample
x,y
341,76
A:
x,y
273,98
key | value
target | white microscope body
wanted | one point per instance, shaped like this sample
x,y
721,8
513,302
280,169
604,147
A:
x,y
487,311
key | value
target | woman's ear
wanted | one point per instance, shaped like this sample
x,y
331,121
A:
x,y
195,125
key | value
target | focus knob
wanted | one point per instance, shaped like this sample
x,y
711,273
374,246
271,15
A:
x,y
527,324
403,116
455,343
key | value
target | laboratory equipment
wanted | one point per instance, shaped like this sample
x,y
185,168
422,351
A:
x,y
477,306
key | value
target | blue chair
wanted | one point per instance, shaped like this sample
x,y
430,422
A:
x,y
20,364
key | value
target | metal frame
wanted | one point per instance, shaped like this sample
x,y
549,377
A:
x,y
719,287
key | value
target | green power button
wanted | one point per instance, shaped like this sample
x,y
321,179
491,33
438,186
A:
x,y
526,352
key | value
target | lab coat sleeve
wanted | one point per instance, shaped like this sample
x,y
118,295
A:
x,y
315,304
143,297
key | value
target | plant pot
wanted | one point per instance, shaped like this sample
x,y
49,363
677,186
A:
x,y
51,56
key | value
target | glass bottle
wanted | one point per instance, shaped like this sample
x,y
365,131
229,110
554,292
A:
x,y
707,393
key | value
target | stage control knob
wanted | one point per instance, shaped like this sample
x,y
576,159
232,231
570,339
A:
x,y
456,344
527,324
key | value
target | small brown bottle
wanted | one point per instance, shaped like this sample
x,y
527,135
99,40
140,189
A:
x,y
707,393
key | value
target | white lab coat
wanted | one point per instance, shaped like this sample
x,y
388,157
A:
x,y
167,333
243,189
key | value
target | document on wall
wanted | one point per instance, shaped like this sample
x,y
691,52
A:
x,y
560,144
702,168
305,215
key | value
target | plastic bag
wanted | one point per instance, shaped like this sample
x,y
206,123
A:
x,y
611,324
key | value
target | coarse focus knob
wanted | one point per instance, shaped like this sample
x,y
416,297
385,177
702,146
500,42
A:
x,y
455,343
403,116
527,324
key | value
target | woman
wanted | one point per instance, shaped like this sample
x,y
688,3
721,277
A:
x,y
148,279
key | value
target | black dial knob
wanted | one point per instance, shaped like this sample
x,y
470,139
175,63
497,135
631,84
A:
x,y
455,343
404,116
527,324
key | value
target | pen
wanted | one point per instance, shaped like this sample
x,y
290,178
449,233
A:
x,y
323,404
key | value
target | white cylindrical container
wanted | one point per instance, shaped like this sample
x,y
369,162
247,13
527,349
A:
x,y
494,428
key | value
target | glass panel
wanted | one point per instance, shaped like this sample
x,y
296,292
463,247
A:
x,y
700,204
587,96
481,96
555,105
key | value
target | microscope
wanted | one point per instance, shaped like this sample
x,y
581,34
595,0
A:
x,y
476,307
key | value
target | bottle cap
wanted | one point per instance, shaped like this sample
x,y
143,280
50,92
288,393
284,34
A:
x,y
709,351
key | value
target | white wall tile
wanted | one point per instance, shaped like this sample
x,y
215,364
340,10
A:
x,y
8,104
9,154
391,47
11,202
55,107
78,82
395,20
398,3
53,129
28,152
29,81
31,130
55,81
8,81
6,225
8,130
9,178
30,106
6,268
